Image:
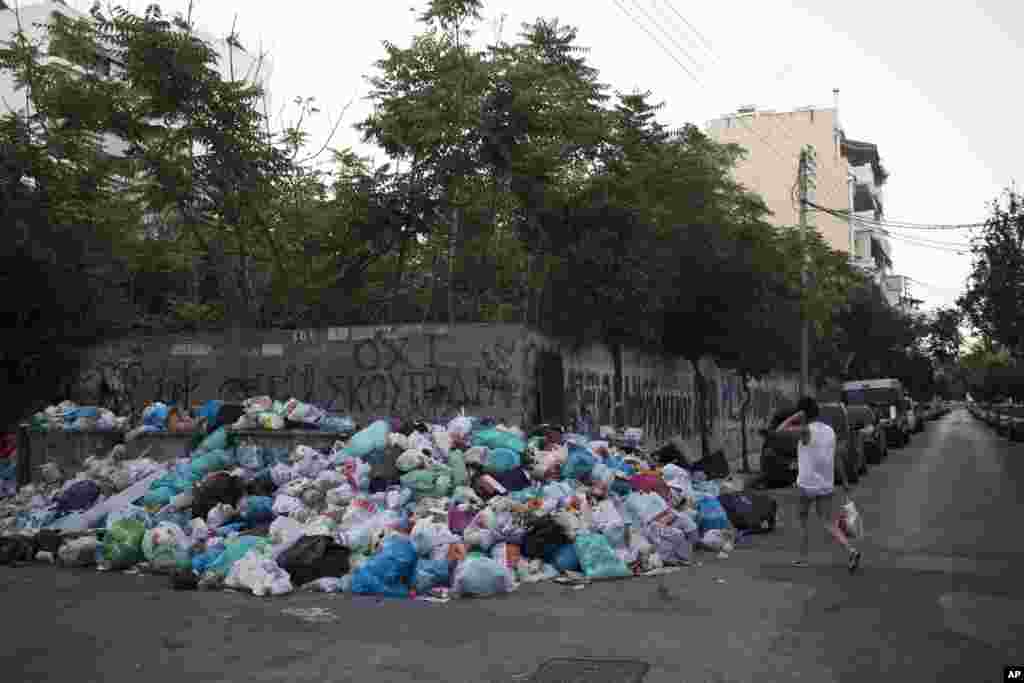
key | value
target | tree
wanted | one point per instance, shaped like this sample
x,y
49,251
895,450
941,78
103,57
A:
x,y
995,287
943,338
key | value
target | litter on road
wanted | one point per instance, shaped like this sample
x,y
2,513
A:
x,y
469,508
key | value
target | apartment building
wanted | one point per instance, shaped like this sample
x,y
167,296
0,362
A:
x,y
773,141
872,250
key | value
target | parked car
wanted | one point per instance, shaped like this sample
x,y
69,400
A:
x,y
913,422
778,452
836,417
921,411
874,446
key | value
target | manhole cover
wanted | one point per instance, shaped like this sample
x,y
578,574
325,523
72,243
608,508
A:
x,y
591,671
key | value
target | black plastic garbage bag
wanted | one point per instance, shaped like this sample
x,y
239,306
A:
x,y
315,557
49,541
386,468
79,496
214,490
543,535
15,549
514,479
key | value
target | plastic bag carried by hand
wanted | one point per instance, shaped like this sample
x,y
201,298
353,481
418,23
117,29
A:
x,y
598,559
389,572
850,521
481,576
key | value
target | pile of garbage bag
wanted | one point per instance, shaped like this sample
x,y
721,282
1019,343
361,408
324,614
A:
x,y
68,416
8,465
469,508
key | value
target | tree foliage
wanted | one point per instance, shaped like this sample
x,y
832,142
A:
x,y
995,286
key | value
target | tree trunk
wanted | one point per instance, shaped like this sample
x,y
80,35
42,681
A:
x,y
702,412
397,284
744,410
452,248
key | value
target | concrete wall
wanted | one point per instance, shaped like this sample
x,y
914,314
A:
x,y
361,371
773,141
426,372
659,396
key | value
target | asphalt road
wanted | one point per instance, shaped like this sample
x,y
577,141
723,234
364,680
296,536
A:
x,y
938,599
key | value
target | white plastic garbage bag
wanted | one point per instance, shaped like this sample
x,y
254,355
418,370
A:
x,y
282,474
328,480
286,505
340,496
259,574
284,533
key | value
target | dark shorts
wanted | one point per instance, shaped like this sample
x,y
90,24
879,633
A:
x,y
822,505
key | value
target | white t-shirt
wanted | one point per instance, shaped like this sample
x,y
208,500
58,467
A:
x,y
816,460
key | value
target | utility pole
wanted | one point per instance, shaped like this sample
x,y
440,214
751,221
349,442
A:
x,y
806,179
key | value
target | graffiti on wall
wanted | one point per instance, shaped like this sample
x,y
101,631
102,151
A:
x,y
419,374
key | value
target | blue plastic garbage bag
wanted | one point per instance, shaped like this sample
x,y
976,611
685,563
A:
x,y
157,498
495,438
337,423
257,509
226,530
178,518
79,496
156,416
711,515
217,441
211,461
500,460
275,455
579,463
430,574
250,456
234,550
389,572
565,559
209,410
367,441
598,559
205,560
480,576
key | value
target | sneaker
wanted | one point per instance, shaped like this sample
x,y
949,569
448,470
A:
x,y
801,563
854,563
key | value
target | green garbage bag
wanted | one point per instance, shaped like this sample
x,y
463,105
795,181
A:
x,y
214,461
235,549
457,464
122,544
166,547
495,438
435,482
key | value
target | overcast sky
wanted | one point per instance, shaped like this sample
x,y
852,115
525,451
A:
x,y
934,86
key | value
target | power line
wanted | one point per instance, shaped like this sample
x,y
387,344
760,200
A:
x,y
898,225
697,81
